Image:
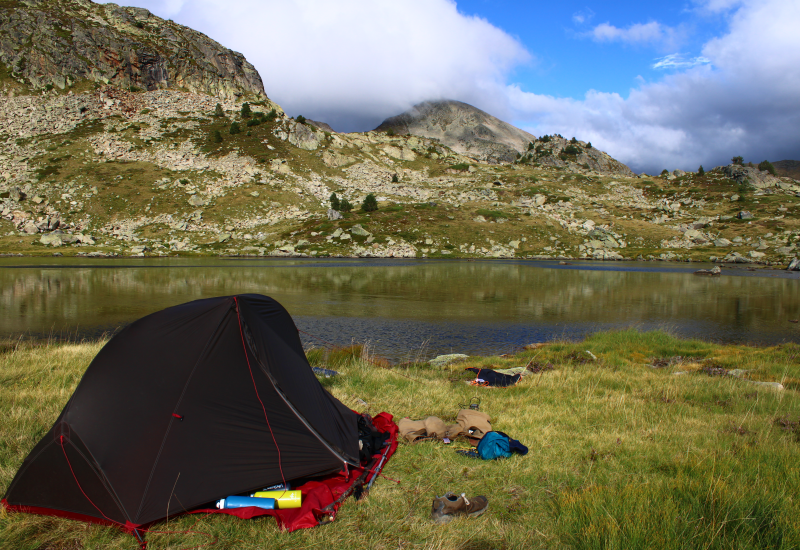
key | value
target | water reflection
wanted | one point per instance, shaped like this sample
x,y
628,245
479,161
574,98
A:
x,y
471,306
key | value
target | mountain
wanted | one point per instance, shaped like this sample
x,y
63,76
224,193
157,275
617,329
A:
x,y
787,168
125,135
63,43
462,127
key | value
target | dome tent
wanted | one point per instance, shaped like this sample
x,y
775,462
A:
x,y
185,406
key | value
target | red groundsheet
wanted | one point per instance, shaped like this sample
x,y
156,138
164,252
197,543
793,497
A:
x,y
318,494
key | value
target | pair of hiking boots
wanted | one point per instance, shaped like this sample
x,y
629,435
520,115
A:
x,y
449,505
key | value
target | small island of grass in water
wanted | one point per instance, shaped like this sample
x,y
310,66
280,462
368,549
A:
x,y
637,440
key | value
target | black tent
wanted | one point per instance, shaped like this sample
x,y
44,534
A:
x,y
187,405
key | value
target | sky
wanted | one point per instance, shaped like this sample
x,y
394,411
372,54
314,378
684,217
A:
x,y
655,84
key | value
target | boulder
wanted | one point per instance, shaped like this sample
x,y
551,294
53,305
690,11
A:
x,y
223,237
713,272
750,176
744,215
443,360
794,265
30,228
52,239
722,241
360,231
196,200
334,215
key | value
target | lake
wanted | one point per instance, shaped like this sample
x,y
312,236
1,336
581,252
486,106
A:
x,y
410,308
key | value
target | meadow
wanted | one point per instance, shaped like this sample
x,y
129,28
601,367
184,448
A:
x,y
636,440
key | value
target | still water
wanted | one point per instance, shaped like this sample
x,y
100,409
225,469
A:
x,y
410,308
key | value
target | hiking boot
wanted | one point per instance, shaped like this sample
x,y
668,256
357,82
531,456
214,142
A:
x,y
449,505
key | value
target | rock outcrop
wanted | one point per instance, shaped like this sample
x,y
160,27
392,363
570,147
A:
x,y
462,127
747,175
58,43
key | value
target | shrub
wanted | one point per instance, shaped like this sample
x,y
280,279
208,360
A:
x,y
545,138
394,178
530,146
246,112
739,161
390,132
335,204
234,128
345,205
218,111
370,204
573,140
700,171
301,119
588,144
216,137
571,150
665,172
766,166
272,115
253,122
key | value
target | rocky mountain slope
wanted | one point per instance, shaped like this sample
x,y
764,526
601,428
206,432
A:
x,y
462,127
62,43
104,170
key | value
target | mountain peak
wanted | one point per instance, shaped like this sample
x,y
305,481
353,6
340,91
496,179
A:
x,y
462,127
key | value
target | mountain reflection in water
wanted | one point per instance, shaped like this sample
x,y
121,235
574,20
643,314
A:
x,y
408,307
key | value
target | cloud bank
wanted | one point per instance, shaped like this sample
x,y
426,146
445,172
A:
x,y
740,97
353,63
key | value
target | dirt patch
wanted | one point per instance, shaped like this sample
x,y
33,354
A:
x,y
536,367
664,362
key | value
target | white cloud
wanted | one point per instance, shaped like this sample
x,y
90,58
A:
x,y
678,61
583,16
352,63
652,33
743,101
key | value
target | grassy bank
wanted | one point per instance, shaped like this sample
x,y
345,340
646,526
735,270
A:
x,y
624,451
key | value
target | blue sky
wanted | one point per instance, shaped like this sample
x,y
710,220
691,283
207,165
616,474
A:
x,y
655,84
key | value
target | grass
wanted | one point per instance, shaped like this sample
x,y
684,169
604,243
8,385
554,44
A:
x,y
624,452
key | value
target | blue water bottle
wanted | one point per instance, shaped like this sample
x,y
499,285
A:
x,y
244,502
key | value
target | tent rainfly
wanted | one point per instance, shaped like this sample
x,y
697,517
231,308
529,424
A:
x,y
185,406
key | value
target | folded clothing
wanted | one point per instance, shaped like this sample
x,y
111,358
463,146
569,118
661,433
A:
x,y
489,377
469,423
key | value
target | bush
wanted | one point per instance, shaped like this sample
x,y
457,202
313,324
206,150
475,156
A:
x,y
345,205
545,138
665,172
700,171
573,140
218,111
394,178
390,132
530,146
301,119
571,150
739,161
272,115
235,128
766,166
370,204
335,204
253,122
588,144
246,112
216,137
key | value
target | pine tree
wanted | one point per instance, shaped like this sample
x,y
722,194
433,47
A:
x,y
246,112
335,204
394,178
700,171
234,128
216,137
218,112
370,204
345,206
